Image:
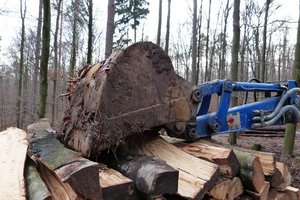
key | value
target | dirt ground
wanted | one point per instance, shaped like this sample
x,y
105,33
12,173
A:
x,y
274,145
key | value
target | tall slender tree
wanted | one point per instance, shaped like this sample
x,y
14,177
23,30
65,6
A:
x,y
168,27
263,64
37,62
194,44
21,68
290,130
74,46
45,59
90,32
55,47
159,23
207,70
235,56
110,27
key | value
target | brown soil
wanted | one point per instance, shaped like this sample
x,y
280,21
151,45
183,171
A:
x,y
274,145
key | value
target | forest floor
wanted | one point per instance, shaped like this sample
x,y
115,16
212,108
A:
x,y
273,145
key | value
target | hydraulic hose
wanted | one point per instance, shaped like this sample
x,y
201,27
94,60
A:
x,y
278,107
280,113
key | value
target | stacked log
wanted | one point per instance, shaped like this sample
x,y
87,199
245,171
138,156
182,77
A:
x,y
148,167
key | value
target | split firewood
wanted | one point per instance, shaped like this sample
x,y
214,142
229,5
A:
x,y
13,149
35,187
223,157
236,189
61,167
276,180
114,185
294,193
263,194
196,176
152,176
276,195
221,189
267,160
251,172
287,178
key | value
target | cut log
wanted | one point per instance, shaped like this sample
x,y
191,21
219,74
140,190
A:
x,y
196,176
13,148
223,157
276,180
263,194
133,90
251,172
236,189
294,193
114,185
221,189
35,187
152,176
267,160
61,166
287,178
276,195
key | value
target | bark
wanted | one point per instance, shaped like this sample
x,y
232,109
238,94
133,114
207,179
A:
x,y
234,58
199,49
55,48
44,59
194,45
110,27
263,66
168,28
74,175
13,154
90,34
21,68
152,176
35,187
289,140
74,46
37,62
159,23
207,75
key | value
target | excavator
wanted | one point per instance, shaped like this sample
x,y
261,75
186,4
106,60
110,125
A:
x,y
136,89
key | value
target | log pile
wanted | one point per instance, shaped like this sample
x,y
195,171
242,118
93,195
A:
x,y
148,167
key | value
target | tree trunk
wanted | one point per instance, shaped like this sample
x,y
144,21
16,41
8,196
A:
x,y
199,49
159,23
235,57
168,28
110,27
263,66
90,34
36,62
194,45
20,81
44,59
207,77
74,46
55,48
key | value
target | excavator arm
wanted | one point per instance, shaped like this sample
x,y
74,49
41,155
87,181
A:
x,y
280,105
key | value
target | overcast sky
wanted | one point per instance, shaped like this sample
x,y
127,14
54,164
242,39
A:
x,y
11,22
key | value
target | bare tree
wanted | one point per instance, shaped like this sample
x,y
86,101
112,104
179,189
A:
x,y
168,27
55,48
45,58
235,56
159,23
110,27
20,83
37,62
263,66
207,74
194,44
90,34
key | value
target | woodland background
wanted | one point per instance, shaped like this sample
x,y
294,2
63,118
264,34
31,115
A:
x,y
201,51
